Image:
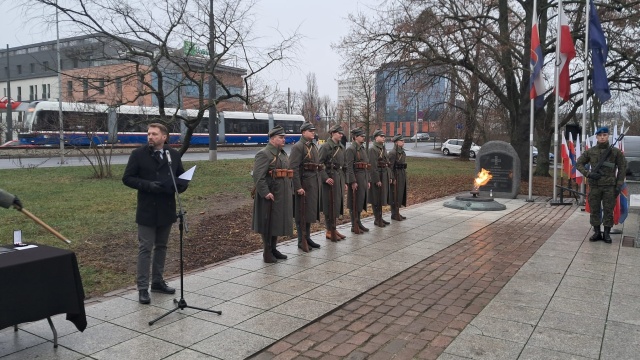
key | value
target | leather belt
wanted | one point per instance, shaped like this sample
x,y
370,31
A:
x,y
382,165
334,167
400,166
313,166
281,173
362,165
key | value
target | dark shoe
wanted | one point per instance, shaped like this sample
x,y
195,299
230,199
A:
x,y
330,235
356,230
362,227
379,223
597,235
385,221
396,217
162,288
312,244
274,251
340,236
606,237
278,255
403,217
143,297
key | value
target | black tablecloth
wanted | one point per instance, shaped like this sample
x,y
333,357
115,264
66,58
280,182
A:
x,y
40,282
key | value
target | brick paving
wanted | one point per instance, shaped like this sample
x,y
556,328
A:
x,y
419,312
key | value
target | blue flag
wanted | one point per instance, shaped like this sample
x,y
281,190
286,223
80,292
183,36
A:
x,y
599,51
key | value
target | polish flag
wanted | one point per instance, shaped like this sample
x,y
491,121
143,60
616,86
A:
x,y
579,176
564,155
567,52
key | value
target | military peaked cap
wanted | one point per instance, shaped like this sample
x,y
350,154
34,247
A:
x,y
398,137
336,128
378,133
307,126
277,130
357,132
602,130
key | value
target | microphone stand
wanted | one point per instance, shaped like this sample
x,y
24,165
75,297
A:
x,y
182,303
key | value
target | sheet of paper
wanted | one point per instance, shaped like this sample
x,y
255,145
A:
x,y
26,247
188,175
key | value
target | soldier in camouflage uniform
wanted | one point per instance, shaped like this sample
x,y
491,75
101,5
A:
x,y
605,182
332,156
272,203
380,177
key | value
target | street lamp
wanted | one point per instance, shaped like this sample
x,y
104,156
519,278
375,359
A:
x,y
213,123
59,88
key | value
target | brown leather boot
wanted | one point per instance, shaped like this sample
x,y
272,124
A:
x,y
340,235
330,235
267,256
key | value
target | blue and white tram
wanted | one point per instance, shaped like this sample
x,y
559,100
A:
x,y
85,123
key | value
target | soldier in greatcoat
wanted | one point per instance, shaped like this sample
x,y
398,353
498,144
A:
x,y
357,179
606,177
398,166
333,158
308,174
380,177
272,203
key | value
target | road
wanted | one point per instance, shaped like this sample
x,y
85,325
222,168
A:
x,y
422,150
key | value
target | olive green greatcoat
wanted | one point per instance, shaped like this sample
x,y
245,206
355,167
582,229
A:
x,y
601,197
397,157
378,154
333,155
357,153
305,151
266,160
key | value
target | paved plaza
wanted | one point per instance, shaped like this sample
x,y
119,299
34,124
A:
x,y
522,283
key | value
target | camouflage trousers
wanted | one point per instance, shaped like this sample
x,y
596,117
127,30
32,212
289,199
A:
x,y
602,200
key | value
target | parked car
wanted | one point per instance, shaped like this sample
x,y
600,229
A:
x,y
454,146
535,155
421,137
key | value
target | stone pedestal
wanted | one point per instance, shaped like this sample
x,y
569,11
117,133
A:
x,y
501,159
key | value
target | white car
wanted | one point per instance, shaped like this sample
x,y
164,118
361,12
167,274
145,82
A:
x,y
454,146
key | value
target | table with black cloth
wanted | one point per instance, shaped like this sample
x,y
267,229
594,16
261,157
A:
x,y
39,283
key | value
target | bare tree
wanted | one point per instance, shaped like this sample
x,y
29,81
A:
x,y
452,32
148,35
311,100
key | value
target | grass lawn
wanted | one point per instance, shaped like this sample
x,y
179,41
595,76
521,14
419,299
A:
x,y
98,216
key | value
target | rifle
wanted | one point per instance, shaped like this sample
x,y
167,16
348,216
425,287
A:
x,y
354,221
269,211
332,212
596,169
303,224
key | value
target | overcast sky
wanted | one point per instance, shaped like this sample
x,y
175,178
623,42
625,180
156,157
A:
x,y
320,22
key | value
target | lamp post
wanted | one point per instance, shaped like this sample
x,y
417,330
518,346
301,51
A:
x,y
9,105
213,123
59,89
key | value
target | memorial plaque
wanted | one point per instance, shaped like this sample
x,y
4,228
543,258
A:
x,y
502,161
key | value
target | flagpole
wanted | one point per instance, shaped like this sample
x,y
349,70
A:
x,y
557,98
531,120
585,83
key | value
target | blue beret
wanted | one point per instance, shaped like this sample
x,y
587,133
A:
x,y
602,130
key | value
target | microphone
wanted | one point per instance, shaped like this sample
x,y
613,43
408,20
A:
x,y
168,156
6,199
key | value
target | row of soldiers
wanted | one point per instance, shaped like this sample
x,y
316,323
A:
x,y
313,180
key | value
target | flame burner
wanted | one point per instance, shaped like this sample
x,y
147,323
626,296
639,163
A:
x,y
475,202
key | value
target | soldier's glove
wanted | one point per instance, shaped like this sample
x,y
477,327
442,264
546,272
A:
x,y
594,176
17,203
618,190
155,187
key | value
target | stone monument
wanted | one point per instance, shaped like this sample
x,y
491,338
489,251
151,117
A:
x,y
502,161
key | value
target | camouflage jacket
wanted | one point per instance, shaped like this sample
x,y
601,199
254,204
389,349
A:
x,y
615,161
